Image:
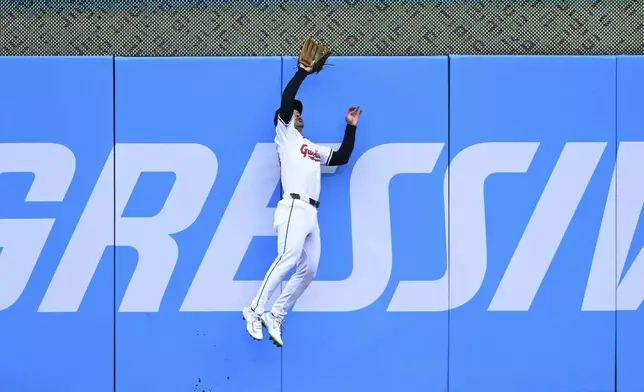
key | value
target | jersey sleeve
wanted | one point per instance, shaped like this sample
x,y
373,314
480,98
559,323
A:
x,y
284,132
326,153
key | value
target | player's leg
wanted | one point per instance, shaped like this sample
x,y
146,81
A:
x,y
292,228
273,323
306,270
291,234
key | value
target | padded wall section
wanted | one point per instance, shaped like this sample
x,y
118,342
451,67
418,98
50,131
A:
x,y
539,209
375,316
532,262
196,172
630,234
56,276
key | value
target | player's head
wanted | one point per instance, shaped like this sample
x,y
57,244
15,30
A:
x,y
297,116
298,121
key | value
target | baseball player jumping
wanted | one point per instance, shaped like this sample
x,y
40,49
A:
x,y
296,221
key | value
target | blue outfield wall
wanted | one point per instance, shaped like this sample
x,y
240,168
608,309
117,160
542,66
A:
x,y
57,310
515,267
534,138
629,233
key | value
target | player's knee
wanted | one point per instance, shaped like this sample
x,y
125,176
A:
x,y
292,251
289,257
309,273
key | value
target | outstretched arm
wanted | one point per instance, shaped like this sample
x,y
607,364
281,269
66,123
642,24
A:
x,y
342,155
288,95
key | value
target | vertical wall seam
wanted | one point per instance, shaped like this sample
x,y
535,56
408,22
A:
x,y
616,204
280,196
114,222
449,179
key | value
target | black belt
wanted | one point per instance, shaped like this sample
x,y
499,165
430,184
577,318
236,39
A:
x,y
312,202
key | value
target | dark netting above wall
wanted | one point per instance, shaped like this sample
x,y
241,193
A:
x,y
269,28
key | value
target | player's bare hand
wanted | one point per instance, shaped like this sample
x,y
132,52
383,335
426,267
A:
x,y
353,114
307,69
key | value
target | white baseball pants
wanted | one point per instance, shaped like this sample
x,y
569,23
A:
x,y
298,244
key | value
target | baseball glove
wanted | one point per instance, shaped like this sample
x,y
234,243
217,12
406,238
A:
x,y
313,54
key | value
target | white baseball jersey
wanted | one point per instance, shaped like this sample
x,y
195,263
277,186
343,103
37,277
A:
x,y
299,160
